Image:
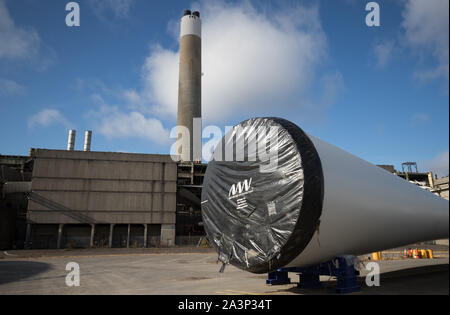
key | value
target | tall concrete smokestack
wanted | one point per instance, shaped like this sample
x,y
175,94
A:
x,y
71,141
190,87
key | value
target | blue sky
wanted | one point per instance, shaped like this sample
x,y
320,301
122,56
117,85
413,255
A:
x,y
380,93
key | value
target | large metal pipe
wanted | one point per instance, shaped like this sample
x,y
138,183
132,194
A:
x,y
316,202
87,140
71,141
190,86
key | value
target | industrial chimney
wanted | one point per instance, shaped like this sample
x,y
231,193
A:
x,y
190,87
87,141
71,141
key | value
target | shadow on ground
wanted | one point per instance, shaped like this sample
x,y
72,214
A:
x,y
12,271
414,281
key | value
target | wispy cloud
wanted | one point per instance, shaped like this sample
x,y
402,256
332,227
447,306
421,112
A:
x,y
439,164
23,44
117,8
333,84
383,52
10,87
426,26
419,119
49,117
16,42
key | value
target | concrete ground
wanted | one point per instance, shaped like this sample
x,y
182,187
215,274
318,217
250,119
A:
x,y
186,272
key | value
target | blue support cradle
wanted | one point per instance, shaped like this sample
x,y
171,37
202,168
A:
x,y
278,278
343,268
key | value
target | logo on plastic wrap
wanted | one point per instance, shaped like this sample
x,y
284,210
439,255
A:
x,y
239,192
241,189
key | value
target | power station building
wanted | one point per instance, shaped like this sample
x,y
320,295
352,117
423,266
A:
x,y
101,199
63,199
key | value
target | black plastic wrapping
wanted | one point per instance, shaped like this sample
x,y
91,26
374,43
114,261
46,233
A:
x,y
260,215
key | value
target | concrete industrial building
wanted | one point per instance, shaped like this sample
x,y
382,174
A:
x,y
440,187
61,199
13,204
98,199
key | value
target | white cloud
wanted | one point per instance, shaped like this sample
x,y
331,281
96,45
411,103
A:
x,y
134,124
383,52
426,25
160,75
10,87
16,42
119,8
48,117
438,165
254,63
114,123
